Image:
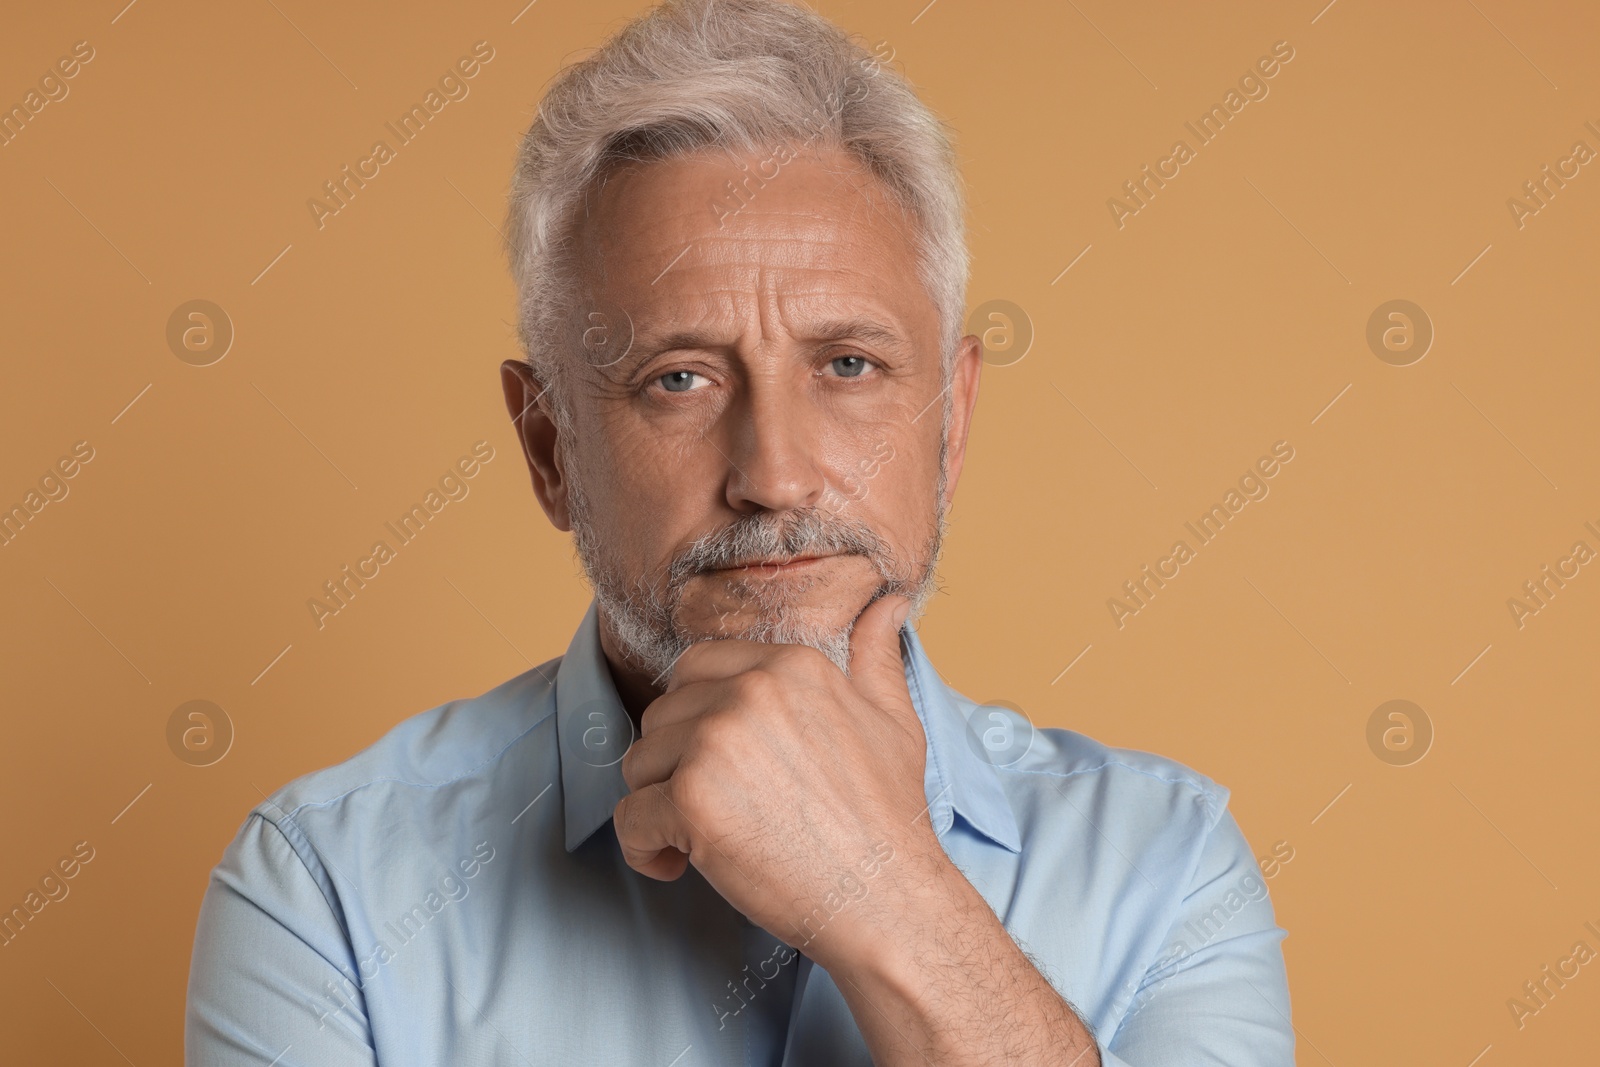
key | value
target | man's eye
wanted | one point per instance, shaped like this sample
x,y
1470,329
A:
x,y
678,381
850,366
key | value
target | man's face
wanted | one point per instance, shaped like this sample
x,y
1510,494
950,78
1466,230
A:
x,y
759,443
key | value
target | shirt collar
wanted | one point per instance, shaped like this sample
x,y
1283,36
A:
x,y
960,779
593,731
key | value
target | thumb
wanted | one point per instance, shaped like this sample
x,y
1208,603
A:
x,y
876,666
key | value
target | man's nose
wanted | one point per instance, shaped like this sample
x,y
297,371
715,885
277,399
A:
x,y
775,452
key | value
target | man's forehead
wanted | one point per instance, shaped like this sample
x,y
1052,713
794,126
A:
x,y
699,221
818,253
827,182
676,326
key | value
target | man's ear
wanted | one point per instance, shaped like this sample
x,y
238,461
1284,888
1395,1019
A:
x,y
526,404
963,398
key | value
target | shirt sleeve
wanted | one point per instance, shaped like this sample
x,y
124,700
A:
x,y
273,980
1219,994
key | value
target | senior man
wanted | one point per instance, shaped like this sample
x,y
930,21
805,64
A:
x,y
742,819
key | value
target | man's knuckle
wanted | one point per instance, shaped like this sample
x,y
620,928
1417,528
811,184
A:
x,y
630,765
693,793
758,686
623,816
807,660
648,717
791,655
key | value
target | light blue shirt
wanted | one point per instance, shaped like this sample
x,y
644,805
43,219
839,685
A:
x,y
455,895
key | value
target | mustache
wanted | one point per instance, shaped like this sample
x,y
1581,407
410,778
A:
x,y
801,532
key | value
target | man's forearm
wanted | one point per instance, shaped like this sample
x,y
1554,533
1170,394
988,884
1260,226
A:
x,y
946,984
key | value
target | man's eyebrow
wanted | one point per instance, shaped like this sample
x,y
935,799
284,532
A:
x,y
857,328
647,343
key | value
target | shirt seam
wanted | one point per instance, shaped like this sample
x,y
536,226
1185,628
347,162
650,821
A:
x,y
1175,906
416,785
1212,792
295,842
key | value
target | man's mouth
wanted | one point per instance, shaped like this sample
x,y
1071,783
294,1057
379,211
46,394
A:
x,y
777,565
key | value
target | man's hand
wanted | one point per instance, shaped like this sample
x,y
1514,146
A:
x,y
786,783
798,793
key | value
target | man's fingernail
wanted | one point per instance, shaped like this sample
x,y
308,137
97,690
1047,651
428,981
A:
x,y
900,614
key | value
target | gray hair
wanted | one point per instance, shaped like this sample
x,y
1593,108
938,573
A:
x,y
735,75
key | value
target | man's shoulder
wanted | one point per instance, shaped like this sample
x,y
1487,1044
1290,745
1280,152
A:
x,y
1064,755
1064,760
1070,792
1140,792
449,743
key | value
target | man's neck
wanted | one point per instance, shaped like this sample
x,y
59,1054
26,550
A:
x,y
633,686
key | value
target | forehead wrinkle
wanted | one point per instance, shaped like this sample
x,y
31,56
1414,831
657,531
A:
x,y
681,223
839,229
771,286
753,274
768,302
745,263
644,239
833,317
847,190
829,234
737,264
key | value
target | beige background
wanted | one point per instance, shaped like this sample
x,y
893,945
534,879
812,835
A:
x,y
1228,314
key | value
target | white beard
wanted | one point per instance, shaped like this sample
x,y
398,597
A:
x,y
642,613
